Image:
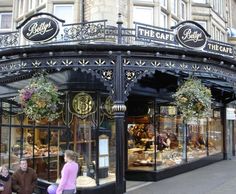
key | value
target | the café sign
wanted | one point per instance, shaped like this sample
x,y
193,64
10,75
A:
x,y
40,29
188,34
153,34
191,36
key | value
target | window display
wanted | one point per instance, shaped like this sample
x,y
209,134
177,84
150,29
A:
x,y
78,128
196,139
159,142
155,146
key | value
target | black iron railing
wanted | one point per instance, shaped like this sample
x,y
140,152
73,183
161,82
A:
x,y
88,32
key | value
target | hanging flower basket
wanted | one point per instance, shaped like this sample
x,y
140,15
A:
x,y
40,99
193,99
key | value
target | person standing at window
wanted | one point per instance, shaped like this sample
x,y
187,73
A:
x,y
69,173
24,179
5,180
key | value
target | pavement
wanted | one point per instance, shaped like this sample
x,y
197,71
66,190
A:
x,y
217,178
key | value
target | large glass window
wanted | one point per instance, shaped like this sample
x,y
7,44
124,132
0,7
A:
x,y
155,141
5,21
86,126
215,133
196,139
140,11
157,137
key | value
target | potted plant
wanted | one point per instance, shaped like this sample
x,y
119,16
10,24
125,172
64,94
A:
x,y
40,99
193,99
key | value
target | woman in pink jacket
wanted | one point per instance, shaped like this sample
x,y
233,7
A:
x,y
69,173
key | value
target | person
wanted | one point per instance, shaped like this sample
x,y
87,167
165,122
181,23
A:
x,y
69,173
166,141
54,139
24,179
5,180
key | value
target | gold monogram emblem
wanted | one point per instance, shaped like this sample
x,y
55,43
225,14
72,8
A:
x,y
82,103
108,106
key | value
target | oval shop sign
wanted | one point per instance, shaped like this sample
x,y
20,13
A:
x,y
191,36
40,29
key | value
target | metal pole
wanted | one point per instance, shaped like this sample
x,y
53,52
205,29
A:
x,y
119,109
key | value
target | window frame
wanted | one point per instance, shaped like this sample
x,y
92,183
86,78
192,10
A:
x,y
64,5
164,17
1,15
150,8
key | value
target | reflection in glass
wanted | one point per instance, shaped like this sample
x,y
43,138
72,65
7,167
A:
x,y
196,139
215,138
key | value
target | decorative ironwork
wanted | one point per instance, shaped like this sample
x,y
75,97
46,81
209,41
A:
x,y
85,31
10,39
36,63
170,65
140,63
155,63
82,104
107,74
119,107
83,62
100,62
108,107
67,62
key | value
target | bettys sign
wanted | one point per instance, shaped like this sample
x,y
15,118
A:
x,y
191,36
38,28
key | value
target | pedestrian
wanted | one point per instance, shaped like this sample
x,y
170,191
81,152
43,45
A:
x,y
5,180
24,179
69,173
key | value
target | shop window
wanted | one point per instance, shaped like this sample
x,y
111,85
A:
x,y
4,146
215,134
159,139
5,21
86,135
140,11
154,144
196,139
43,143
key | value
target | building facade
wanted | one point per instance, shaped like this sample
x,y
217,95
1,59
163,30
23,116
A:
x,y
117,78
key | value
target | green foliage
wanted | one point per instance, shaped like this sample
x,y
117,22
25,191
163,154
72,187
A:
x,y
193,99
